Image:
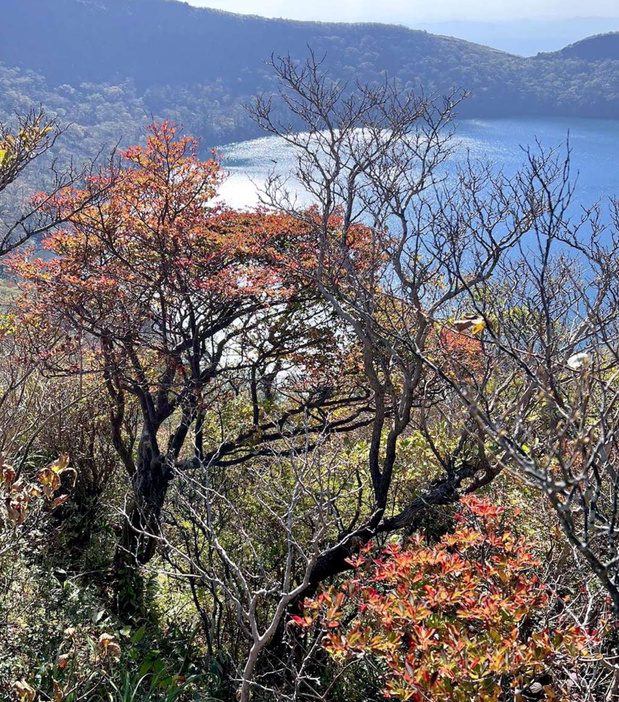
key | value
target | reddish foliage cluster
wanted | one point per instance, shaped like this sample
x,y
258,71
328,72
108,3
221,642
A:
x,y
455,621
157,265
156,229
464,352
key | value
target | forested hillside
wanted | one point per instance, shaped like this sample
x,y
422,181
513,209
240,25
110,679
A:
x,y
109,66
603,47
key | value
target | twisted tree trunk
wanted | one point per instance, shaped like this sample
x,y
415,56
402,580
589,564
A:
x,y
142,527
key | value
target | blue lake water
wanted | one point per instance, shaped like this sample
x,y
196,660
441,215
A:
x,y
594,144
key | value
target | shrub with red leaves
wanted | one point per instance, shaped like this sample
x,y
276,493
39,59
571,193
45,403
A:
x,y
461,620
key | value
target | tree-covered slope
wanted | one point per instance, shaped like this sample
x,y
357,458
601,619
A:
x,y
602,47
109,66
158,43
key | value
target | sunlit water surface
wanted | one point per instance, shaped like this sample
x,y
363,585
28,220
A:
x,y
594,145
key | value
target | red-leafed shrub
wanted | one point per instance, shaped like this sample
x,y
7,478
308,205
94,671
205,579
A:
x,y
463,353
461,620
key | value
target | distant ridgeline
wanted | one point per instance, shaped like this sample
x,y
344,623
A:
x,y
111,66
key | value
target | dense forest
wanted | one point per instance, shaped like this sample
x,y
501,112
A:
x,y
604,47
110,66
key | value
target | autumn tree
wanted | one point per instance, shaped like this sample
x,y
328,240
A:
x,y
174,300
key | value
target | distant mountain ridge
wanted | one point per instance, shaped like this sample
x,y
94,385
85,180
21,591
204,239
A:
x,y
524,37
110,66
158,42
602,47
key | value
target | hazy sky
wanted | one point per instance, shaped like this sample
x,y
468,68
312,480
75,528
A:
x,y
412,11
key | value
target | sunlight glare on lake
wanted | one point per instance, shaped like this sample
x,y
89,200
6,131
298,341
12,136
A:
x,y
594,144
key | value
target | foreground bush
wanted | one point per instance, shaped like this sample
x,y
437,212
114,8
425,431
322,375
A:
x,y
464,619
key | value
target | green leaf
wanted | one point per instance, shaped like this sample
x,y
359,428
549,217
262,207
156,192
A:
x,y
145,668
139,635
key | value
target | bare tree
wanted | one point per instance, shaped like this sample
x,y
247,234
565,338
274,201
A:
x,y
29,138
224,531
376,155
552,411
484,290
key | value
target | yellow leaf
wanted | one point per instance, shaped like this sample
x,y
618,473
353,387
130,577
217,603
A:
x,y
60,464
478,327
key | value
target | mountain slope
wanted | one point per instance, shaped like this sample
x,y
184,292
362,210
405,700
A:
x,y
110,66
155,42
601,47
526,37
